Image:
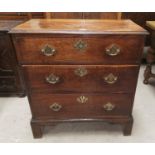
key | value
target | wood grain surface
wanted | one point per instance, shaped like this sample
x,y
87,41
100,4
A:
x,y
78,26
29,47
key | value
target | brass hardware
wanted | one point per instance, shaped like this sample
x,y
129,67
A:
x,y
110,79
82,99
113,50
108,106
52,79
55,107
80,45
81,71
48,50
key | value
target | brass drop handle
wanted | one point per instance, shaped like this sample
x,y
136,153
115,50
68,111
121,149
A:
x,y
109,106
48,50
55,107
113,50
52,79
110,78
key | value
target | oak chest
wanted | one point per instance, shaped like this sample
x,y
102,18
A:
x,y
79,70
10,80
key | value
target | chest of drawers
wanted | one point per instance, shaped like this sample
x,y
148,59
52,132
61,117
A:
x,y
79,70
10,80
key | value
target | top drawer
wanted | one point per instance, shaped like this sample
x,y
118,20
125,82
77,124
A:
x,y
78,49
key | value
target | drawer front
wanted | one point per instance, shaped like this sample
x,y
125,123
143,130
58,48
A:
x,y
108,49
84,78
80,105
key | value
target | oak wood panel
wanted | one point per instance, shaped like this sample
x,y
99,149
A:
x,y
29,47
66,15
81,15
58,15
20,15
93,81
100,15
8,85
11,83
7,73
6,58
72,109
75,26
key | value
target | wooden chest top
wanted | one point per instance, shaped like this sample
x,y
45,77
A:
x,y
76,26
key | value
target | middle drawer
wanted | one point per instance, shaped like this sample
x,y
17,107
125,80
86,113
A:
x,y
85,78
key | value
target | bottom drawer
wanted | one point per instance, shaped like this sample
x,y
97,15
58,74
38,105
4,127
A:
x,y
72,106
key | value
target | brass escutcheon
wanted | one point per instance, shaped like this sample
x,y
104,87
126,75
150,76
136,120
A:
x,y
80,45
81,71
82,99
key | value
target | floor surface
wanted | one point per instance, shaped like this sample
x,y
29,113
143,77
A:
x,y
15,116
